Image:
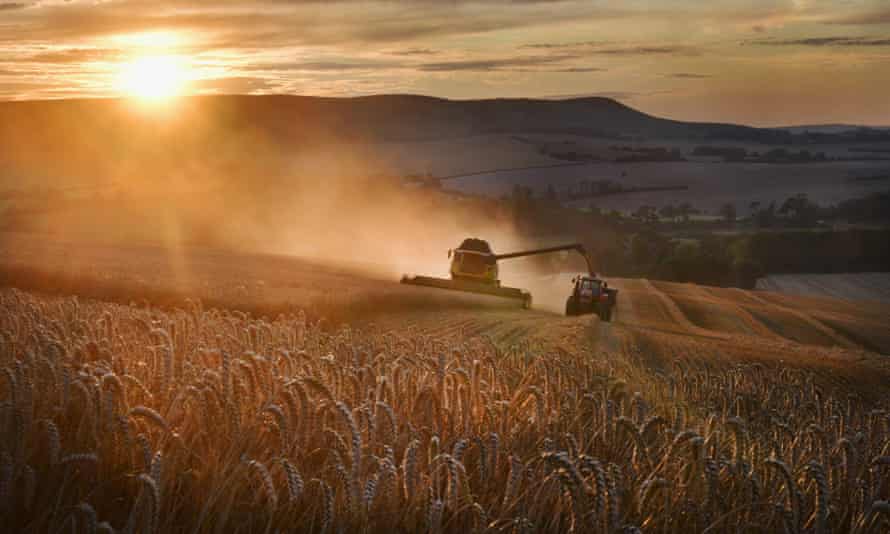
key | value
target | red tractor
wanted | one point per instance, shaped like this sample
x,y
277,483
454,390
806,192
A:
x,y
591,295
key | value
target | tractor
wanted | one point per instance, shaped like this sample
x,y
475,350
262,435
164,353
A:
x,y
591,295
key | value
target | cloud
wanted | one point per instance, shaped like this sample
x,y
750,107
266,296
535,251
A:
x,y
10,6
73,55
236,85
824,41
608,48
881,16
293,23
579,69
322,66
688,75
646,50
548,46
509,63
414,52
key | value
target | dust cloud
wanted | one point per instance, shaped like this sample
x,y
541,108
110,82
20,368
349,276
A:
x,y
187,181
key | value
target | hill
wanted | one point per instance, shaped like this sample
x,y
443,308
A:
x,y
380,117
108,139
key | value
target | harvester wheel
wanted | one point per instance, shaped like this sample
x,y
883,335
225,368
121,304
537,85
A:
x,y
527,302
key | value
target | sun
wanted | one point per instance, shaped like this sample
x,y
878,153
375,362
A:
x,y
152,78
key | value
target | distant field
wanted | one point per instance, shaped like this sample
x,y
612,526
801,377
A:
x,y
710,184
847,286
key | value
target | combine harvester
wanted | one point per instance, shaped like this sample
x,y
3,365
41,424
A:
x,y
474,269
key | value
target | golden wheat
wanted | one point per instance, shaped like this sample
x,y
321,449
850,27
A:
x,y
124,418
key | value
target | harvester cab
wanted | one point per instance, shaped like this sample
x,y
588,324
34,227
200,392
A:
x,y
473,261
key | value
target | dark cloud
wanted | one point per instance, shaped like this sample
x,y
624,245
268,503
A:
x,y
645,51
415,52
579,69
824,41
10,6
600,48
321,66
688,75
511,63
526,62
548,46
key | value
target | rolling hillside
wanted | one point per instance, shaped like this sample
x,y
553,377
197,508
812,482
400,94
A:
x,y
111,140
774,323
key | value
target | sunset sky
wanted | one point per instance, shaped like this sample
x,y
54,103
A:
x,y
761,62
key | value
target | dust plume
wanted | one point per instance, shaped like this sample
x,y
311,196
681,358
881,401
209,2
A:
x,y
205,175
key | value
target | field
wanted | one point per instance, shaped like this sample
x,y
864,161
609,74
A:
x,y
300,396
711,184
847,286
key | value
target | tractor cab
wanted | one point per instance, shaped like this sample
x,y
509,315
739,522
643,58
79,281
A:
x,y
588,288
591,295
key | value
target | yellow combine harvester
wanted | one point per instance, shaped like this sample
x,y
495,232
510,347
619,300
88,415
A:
x,y
474,269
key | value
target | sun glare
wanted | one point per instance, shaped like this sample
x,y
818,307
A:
x,y
152,77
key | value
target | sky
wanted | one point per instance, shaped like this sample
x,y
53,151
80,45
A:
x,y
759,62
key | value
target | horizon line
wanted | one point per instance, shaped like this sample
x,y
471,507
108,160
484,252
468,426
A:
x,y
544,98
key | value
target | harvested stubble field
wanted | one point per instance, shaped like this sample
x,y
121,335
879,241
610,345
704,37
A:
x,y
119,417
847,286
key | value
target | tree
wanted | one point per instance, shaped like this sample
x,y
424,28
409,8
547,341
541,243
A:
x,y
746,271
753,208
800,209
646,214
727,211
668,212
683,211
551,193
766,217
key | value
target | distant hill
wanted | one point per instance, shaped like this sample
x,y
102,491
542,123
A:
x,y
384,117
114,140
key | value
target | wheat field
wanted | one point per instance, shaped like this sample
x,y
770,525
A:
x,y
131,419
